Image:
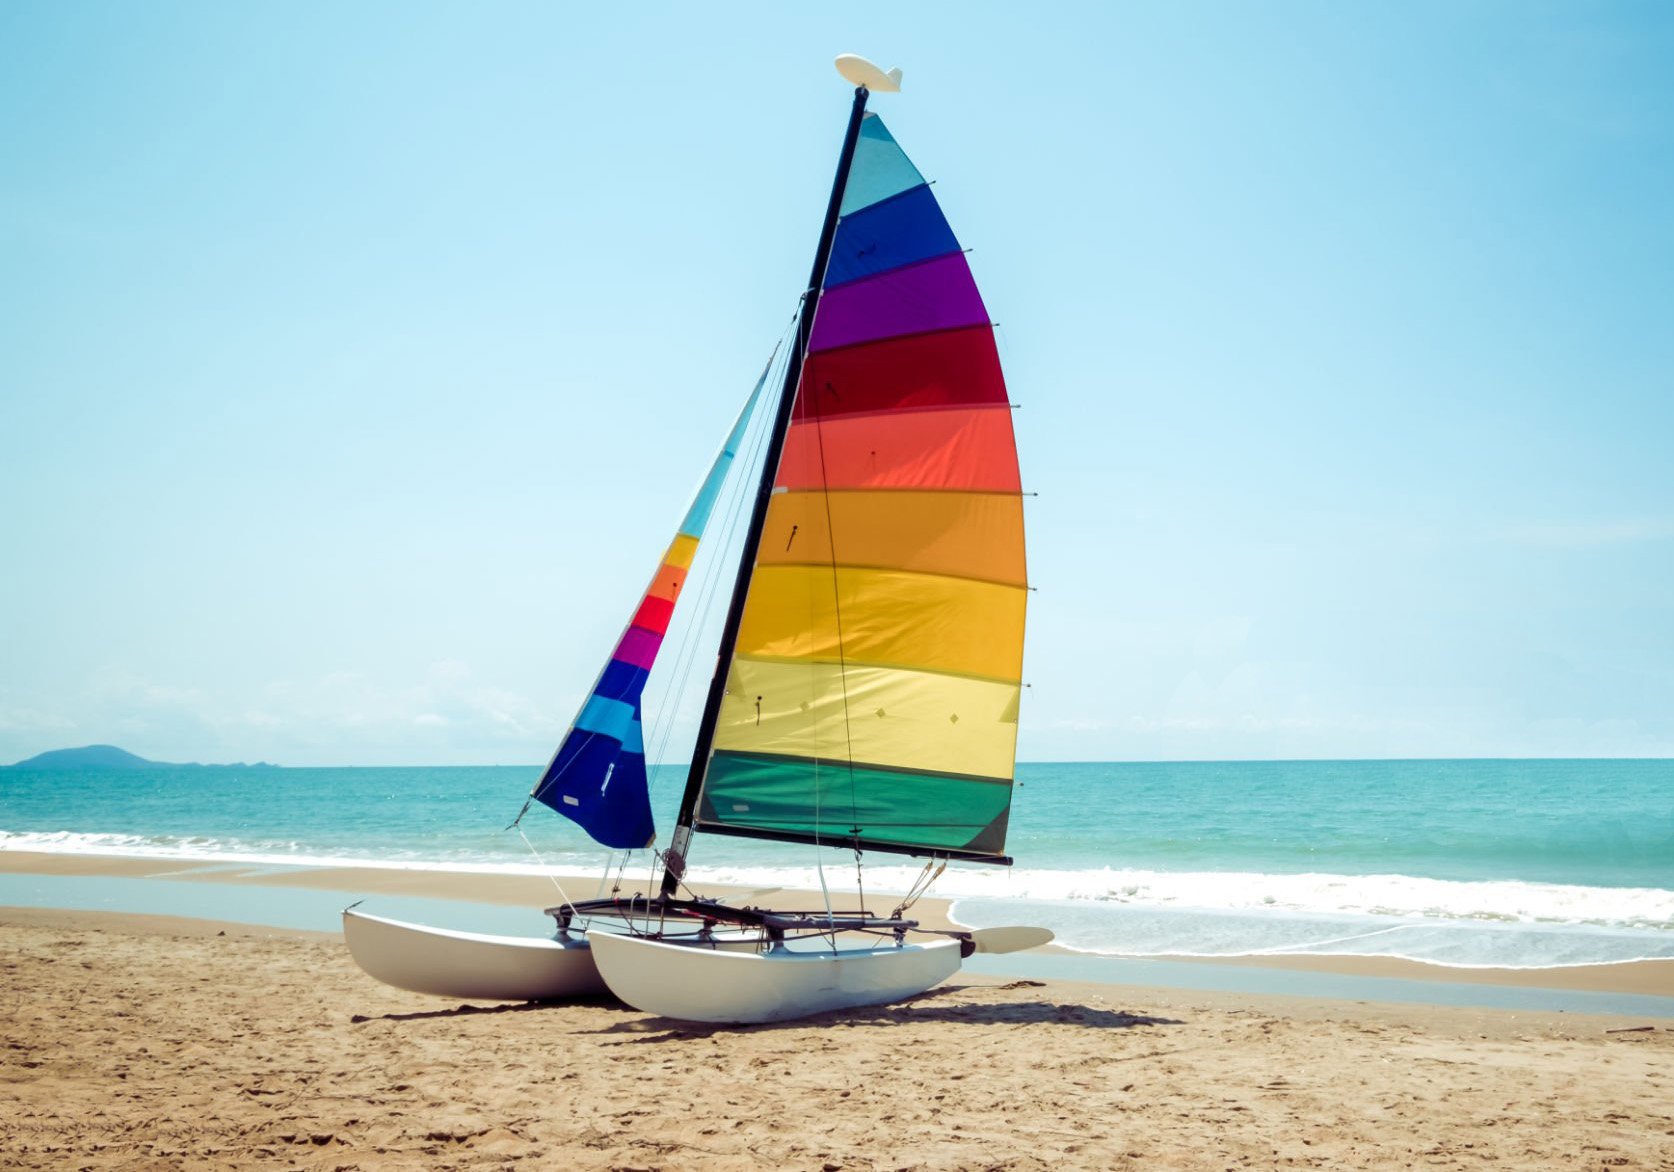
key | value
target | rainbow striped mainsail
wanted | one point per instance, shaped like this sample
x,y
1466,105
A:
x,y
597,777
872,694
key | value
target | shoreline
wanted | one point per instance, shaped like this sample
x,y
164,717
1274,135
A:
x,y
1652,978
1491,1021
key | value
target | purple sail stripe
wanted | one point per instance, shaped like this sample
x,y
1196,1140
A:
x,y
638,647
937,295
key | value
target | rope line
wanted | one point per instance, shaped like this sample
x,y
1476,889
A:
x,y
837,616
660,717
563,896
920,885
662,721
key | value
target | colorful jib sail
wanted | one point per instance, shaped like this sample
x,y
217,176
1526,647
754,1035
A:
x,y
597,777
872,696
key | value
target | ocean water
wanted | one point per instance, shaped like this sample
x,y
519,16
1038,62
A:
x,y
1473,863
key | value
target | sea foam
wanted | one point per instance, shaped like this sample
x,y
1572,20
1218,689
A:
x,y
1112,911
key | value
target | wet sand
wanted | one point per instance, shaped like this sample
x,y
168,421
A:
x,y
1649,977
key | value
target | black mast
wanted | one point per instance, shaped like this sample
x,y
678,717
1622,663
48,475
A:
x,y
675,860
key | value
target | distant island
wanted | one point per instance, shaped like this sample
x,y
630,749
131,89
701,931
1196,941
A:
x,y
110,757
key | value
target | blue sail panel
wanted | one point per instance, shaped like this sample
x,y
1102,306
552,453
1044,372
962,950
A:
x,y
898,231
599,782
621,681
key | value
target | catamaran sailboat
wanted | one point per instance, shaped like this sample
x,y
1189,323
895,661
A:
x,y
870,661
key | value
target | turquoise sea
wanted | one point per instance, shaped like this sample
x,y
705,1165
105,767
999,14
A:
x,y
1473,862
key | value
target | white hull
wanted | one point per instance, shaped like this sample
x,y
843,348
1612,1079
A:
x,y
701,984
469,964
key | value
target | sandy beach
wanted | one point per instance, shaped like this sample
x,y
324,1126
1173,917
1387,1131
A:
x,y
154,1042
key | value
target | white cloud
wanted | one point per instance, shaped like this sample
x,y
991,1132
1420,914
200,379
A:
x,y
31,720
442,714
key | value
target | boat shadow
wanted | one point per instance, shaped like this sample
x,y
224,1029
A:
x,y
933,1006
602,1001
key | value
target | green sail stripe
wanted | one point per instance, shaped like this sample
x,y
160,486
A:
x,y
872,807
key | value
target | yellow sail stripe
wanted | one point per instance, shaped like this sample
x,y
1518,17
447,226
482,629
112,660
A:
x,y
904,719
922,621
681,551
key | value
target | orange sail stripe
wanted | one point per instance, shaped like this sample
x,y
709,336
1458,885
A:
x,y
668,582
962,534
963,448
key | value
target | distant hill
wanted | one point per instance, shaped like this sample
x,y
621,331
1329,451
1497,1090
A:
x,y
100,757
89,757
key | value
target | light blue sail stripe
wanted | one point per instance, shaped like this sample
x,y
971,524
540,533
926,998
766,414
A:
x,y
607,718
881,168
704,503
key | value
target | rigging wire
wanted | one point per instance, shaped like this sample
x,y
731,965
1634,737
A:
x,y
563,897
662,721
842,672
920,885
685,642
605,877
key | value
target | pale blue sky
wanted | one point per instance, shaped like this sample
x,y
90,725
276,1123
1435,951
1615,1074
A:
x,y
356,360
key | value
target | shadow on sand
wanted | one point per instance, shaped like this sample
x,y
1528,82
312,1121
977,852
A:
x,y
933,1006
602,1001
